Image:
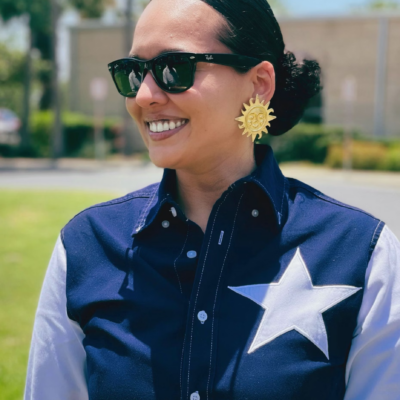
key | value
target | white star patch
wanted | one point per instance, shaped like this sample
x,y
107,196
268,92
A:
x,y
294,303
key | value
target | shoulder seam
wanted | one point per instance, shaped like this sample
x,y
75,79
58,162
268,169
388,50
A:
x,y
113,202
375,237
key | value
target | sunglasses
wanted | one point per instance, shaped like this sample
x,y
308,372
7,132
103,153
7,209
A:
x,y
172,72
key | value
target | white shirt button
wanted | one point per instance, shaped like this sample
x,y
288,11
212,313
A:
x,y
174,212
192,254
202,316
195,396
255,213
165,224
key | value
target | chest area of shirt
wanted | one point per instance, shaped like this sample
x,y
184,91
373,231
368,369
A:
x,y
229,318
241,312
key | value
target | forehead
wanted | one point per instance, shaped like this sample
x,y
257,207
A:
x,y
186,25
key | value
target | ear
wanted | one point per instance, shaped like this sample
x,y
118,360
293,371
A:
x,y
263,79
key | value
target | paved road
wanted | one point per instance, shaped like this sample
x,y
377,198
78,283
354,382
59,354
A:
x,y
377,193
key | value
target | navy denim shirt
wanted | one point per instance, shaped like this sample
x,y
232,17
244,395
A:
x,y
156,298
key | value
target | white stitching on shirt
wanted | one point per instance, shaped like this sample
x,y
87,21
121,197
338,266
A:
x,y
176,259
143,216
371,249
221,238
198,289
373,236
183,352
216,292
283,194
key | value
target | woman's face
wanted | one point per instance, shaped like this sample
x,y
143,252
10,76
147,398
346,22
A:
x,y
207,111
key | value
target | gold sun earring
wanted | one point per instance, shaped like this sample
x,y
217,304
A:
x,y
256,118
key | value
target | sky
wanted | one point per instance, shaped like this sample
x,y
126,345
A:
x,y
321,7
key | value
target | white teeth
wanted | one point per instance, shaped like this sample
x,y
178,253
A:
x,y
165,126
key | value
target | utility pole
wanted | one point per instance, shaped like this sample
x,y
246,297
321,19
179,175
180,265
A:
x,y
58,140
128,25
349,97
128,35
26,106
381,74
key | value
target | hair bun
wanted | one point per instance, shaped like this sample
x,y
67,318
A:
x,y
296,83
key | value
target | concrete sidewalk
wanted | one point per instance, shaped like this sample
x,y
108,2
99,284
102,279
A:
x,y
302,171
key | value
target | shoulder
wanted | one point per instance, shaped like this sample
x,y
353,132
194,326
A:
x,y
122,214
339,219
297,187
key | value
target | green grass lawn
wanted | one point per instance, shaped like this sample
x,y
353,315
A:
x,y
30,222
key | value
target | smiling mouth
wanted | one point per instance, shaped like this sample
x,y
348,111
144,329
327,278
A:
x,y
165,125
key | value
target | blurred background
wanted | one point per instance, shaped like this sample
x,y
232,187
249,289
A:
x,y
67,142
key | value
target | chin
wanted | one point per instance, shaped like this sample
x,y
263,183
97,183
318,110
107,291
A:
x,y
163,158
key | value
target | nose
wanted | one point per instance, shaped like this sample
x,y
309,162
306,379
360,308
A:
x,y
149,93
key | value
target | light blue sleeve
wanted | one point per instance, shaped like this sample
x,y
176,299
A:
x,y
57,359
373,367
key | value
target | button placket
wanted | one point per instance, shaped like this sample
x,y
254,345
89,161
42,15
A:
x,y
209,279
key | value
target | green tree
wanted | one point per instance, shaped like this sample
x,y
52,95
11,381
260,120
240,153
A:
x,y
42,17
11,76
39,14
91,8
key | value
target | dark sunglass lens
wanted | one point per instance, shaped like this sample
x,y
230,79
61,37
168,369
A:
x,y
128,77
174,72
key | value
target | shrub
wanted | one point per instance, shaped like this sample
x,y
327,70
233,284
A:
x,y
392,159
305,142
324,144
366,156
78,132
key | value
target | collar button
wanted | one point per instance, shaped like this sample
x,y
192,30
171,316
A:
x,y
192,254
255,213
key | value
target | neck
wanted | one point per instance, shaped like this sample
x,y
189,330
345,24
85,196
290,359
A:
x,y
199,189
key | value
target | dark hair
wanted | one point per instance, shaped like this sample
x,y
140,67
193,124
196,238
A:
x,y
253,30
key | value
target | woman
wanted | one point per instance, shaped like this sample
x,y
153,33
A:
x,y
226,280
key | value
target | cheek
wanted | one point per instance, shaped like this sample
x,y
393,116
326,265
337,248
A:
x,y
132,108
218,94
135,112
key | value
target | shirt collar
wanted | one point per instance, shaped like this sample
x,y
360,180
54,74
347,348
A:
x,y
267,176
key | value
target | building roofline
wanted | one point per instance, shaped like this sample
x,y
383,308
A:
x,y
96,24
